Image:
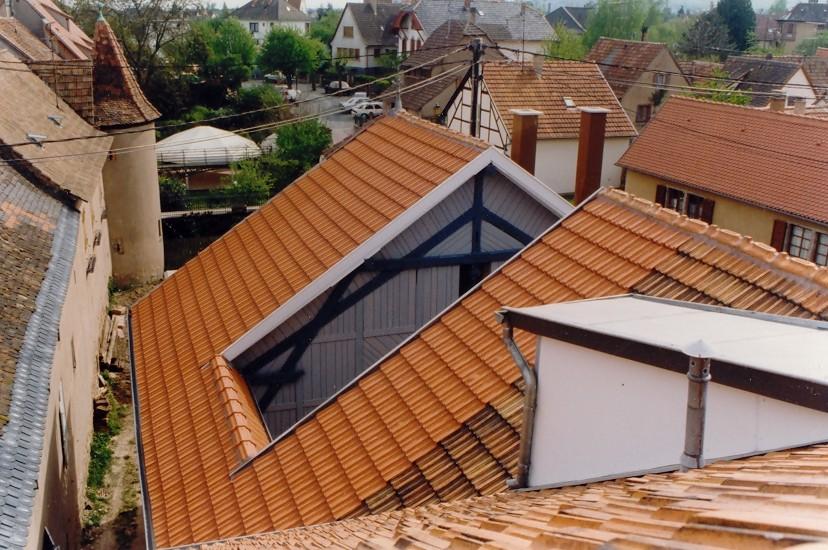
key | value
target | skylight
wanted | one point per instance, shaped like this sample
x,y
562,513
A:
x,y
569,102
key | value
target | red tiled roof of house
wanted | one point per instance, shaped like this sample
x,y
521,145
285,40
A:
x,y
516,86
438,418
623,61
18,36
767,159
76,45
779,496
119,100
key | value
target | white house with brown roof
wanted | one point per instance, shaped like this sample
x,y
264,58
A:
x,y
259,17
365,31
556,89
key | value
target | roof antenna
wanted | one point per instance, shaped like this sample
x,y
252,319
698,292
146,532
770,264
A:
x,y
398,101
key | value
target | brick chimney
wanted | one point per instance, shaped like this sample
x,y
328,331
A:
x,y
525,137
777,103
590,152
538,60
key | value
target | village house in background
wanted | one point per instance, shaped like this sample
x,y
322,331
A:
x,y
52,26
365,32
260,16
557,90
56,269
715,162
641,74
803,21
765,78
573,18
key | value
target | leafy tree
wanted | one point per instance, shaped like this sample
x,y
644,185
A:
x,y
248,184
671,31
569,45
173,193
740,20
288,51
778,7
809,45
324,28
230,49
707,36
303,142
628,19
718,89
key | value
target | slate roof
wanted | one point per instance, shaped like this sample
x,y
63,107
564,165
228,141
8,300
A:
x,y
270,10
119,100
810,12
623,61
573,18
724,149
759,75
438,419
37,249
499,20
71,166
515,85
376,28
740,503
26,44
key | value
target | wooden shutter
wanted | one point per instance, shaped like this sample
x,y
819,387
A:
x,y
780,231
661,194
707,210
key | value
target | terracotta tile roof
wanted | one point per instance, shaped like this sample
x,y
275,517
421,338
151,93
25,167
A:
x,y
18,36
515,85
437,419
697,71
623,61
737,504
234,284
76,45
728,150
119,100
72,166
270,10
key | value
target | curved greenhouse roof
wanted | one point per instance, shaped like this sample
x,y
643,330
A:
x,y
205,146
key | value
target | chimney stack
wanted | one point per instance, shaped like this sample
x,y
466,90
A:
x,y
525,137
538,60
799,106
777,103
590,152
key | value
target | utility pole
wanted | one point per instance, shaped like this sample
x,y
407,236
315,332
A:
x,y
476,48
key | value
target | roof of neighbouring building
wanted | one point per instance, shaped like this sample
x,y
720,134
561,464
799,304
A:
x,y
724,149
438,418
624,61
501,21
270,10
375,26
812,12
205,146
759,75
119,100
18,36
515,85
573,18
698,71
777,496
74,161
76,44
767,28
37,251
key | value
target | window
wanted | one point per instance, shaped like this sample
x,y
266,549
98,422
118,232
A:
x,y
377,52
791,100
471,274
674,200
660,80
821,255
254,27
643,113
790,30
800,241
348,32
347,53
693,206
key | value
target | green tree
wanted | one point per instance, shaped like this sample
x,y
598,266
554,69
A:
x,y
248,184
778,7
809,45
740,20
627,19
231,51
569,45
707,36
718,88
303,142
288,51
324,28
671,31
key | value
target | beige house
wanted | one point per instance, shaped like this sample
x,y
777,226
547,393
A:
x,y
803,21
642,74
54,252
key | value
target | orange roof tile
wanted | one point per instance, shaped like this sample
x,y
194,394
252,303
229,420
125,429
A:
x,y
739,503
516,86
439,418
768,159
624,61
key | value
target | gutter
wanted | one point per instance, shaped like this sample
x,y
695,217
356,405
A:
x,y
136,419
530,400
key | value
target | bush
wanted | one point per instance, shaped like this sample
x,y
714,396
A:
x,y
173,194
248,185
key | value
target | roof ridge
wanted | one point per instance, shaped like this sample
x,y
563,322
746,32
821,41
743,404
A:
x,y
745,108
443,130
758,252
643,42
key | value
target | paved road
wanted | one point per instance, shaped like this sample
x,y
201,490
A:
x,y
341,125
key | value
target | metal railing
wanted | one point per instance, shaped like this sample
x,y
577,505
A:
x,y
209,200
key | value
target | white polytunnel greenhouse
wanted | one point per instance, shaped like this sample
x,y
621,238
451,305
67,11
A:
x,y
205,146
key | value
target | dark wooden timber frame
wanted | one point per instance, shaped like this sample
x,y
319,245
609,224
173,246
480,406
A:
x,y
797,391
384,270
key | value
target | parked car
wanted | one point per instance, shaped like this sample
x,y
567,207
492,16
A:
x,y
350,103
276,77
337,86
366,110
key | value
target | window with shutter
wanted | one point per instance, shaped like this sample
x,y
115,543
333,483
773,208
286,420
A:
x,y
661,194
780,231
800,242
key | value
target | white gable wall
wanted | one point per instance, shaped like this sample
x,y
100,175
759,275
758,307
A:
x,y
600,416
799,86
